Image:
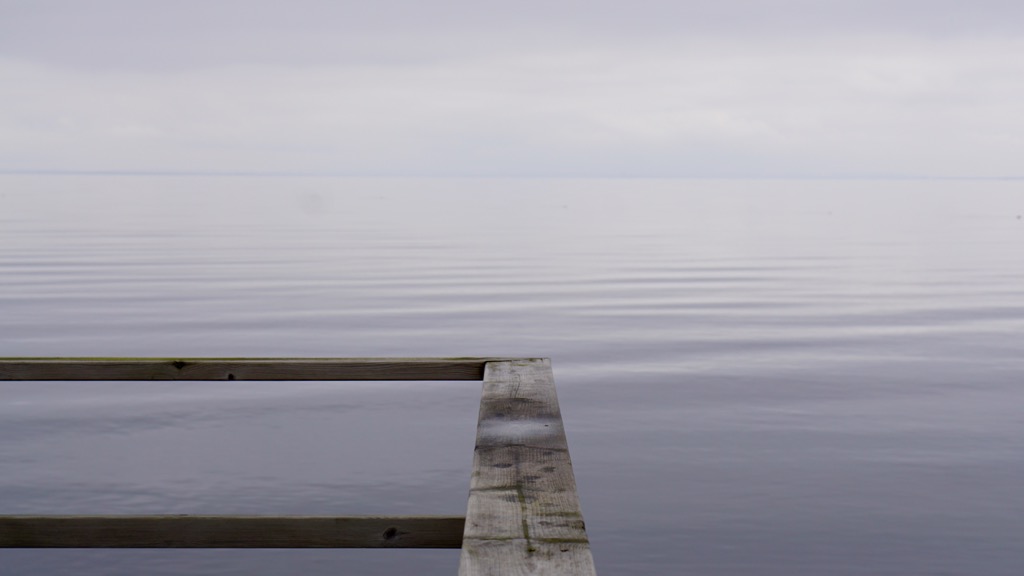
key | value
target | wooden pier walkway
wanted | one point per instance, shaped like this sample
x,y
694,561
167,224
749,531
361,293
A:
x,y
523,516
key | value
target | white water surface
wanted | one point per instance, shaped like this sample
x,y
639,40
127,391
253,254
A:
x,y
756,377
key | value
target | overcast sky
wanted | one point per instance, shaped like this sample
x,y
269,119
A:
x,y
658,88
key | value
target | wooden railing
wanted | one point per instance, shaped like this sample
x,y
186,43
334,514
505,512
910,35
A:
x,y
523,515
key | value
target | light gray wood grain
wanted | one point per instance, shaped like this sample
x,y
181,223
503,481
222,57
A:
x,y
242,368
230,532
523,558
523,515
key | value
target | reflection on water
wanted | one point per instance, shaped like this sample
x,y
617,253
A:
x,y
756,377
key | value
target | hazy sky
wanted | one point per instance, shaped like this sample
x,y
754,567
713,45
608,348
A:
x,y
554,88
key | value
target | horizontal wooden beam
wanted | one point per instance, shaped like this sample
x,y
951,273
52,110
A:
x,y
230,532
243,368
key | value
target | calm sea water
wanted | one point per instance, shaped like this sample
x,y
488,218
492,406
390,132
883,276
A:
x,y
815,377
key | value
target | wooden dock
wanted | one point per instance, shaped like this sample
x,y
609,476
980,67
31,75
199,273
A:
x,y
523,516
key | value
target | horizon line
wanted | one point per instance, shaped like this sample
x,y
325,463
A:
x,y
311,174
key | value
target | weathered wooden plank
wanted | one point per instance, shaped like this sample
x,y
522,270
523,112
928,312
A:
x,y
523,512
230,532
523,515
242,368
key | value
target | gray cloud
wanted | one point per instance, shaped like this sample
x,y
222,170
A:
x,y
148,34
571,88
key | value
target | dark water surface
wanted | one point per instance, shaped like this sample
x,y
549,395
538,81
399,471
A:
x,y
772,378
